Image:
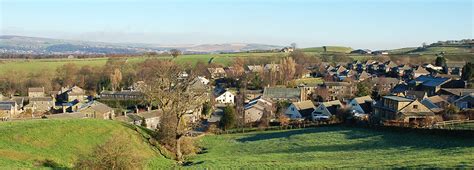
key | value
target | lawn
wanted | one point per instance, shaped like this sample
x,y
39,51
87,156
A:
x,y
336,147
25,143
309,81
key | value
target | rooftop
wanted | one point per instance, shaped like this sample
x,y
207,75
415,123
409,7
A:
x,y
396,98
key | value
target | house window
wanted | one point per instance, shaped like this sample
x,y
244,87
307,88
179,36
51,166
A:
x,y
415,106
292,109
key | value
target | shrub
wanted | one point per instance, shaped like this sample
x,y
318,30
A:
x,y
188,147
116,153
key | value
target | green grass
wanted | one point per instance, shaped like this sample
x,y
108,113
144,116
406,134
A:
x,y
335,147
309,81
29,66
23,144
337,49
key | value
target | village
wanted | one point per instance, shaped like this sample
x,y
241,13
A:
x,y
371,92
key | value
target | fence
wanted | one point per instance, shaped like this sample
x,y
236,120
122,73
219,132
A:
x,y
455,125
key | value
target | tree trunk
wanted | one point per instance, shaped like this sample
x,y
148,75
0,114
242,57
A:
x,y
179,155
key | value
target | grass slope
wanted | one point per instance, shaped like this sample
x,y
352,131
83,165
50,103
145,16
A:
x,y
23,144
334,147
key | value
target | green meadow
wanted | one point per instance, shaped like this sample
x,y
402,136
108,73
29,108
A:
x,y
335,147
25,144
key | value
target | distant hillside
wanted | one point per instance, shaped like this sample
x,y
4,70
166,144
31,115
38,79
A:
x,y
34,45
25,144
337,49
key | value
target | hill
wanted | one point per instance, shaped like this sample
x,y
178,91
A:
x,y
25,144
12,44
335,147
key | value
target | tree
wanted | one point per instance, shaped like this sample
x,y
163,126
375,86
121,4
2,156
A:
x,y
206,108
363,89
228,120
440,61
284,120
288,69
174,96
265,119
293,45
116,78
175,52
468,71
143,123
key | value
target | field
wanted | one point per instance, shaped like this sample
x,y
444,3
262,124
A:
x,y
29,66
24,144
336,147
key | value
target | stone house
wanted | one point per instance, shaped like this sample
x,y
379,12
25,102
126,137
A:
x,y
401,109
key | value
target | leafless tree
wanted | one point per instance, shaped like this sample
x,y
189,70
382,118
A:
x,y
172,93
175,52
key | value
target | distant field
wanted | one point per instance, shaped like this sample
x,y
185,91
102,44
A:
x,y
335,147
52,64
24,143
28,66
337,49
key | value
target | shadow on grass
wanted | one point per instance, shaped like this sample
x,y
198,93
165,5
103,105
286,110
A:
x,y
360,139
287,133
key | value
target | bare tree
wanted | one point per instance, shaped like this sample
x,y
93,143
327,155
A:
x,y
175,52
288,69
172,93
116,78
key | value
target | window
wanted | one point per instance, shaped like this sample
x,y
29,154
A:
x,y
415,106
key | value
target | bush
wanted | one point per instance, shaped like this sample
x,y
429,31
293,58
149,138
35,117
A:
x,y
116,153
188,147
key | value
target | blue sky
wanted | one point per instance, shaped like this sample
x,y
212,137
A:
x,y
375,24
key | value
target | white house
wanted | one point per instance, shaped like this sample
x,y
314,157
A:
x,y
361,105
300,110
326,109
225,97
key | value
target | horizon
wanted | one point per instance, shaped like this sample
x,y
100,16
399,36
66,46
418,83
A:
x,y
357,24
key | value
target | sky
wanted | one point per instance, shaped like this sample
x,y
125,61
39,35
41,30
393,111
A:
x,y
373,24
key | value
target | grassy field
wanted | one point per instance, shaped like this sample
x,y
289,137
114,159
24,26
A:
x,y
336,147
29,66
23,144
336,49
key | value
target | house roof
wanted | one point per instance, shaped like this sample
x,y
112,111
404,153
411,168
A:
x,y
466,97
458,91
363,99
279,92
150,114
430,81
415,94
304,105
397,98
364,75
41,99
437,99
421,70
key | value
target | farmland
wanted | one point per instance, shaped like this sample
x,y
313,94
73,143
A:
x,y
336,147
428,55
